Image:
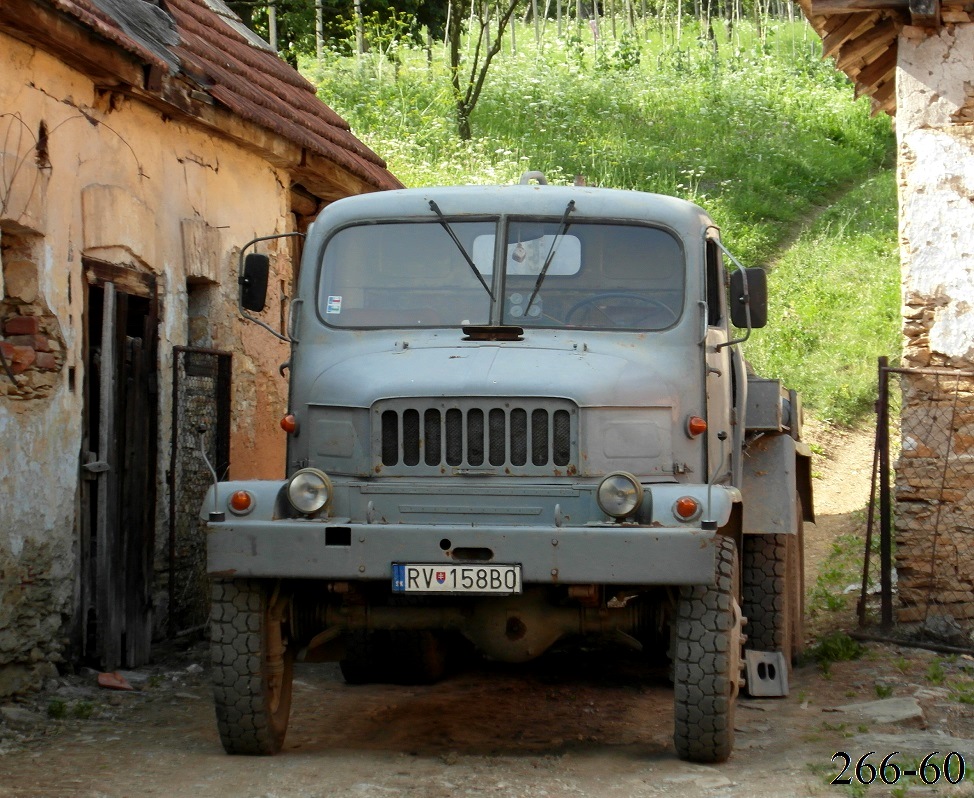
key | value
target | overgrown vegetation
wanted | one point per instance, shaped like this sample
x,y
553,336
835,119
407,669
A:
x,y
751,124
838,583
834,647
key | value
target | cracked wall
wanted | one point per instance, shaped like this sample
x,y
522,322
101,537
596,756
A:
x,y
934,489
91,176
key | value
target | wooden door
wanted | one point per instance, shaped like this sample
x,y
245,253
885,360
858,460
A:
x,y
119,467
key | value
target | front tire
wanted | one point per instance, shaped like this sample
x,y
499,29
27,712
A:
x,y
707,665
253,664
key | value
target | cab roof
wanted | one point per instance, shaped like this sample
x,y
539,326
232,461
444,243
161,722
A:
x,y
457,202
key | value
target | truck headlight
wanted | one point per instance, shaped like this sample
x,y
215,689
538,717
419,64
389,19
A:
x,y
309,490
619,494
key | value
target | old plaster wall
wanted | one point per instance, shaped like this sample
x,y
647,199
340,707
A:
x,y
91,174
935,472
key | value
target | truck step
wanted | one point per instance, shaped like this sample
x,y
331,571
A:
x,y
767,673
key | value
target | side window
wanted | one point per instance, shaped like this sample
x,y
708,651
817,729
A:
x,y
715,285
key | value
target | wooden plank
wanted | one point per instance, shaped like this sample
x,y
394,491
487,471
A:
x,y
326,179
138,529
109,653
117,476
865,48
853,26
817,20
885,92
831,24
879,70
126,280
831,7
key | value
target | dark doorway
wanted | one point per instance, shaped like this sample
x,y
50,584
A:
x,y
119,467
200,422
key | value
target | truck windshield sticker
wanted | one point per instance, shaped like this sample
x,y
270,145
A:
x,y
527,257
333,305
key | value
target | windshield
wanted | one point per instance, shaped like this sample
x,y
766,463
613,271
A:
x,y
431,274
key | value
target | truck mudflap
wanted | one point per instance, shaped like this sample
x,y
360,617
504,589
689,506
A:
x,y
776,477
569,555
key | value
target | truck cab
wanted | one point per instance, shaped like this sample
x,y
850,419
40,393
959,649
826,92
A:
x,y
516,414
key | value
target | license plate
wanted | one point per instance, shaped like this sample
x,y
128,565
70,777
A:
x,y
500,580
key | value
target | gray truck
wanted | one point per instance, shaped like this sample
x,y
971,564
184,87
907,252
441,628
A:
x,y
518,414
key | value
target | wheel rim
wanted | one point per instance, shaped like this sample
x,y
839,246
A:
x,y
736,662
275,665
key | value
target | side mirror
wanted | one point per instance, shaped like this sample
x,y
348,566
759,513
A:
x,y
253,282
754,298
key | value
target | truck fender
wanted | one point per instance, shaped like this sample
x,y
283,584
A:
x,y
777,474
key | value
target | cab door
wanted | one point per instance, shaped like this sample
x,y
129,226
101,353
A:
x,y
719,378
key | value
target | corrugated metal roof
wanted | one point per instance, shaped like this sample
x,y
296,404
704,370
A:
x,y
200,41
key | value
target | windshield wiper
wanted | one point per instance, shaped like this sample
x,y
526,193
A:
x,y
473,267
565,224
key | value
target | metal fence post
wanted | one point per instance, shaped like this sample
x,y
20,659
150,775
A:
x,y
885,511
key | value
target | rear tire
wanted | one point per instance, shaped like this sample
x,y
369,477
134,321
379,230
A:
x,y
774,592
707,665
253,665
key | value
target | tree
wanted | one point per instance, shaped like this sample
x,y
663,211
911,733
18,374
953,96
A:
x,y
296,20
468,74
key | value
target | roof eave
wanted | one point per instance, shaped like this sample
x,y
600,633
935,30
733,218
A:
x,y
141,75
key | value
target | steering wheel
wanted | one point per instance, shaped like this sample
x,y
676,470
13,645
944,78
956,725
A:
x,y
653,303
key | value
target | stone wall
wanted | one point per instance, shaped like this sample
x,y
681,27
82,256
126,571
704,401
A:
x,y
935,470
935,495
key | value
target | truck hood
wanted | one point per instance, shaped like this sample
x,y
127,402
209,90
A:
x,y
571,371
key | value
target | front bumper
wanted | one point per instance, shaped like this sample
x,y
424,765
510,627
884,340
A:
x,y
333,550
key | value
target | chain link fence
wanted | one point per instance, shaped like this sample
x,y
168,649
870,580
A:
x,y
923,501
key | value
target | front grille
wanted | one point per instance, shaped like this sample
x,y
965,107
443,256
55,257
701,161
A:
x,y
522,436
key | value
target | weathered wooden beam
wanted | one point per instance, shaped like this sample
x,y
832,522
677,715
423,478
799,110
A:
x,y
831,7
852,26
879,70
885,92
328,180
302,202
864,48
810,15
106,585
925,13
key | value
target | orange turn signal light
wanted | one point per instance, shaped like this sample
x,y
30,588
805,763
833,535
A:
x,y
696,426
241,501
686,507
289,423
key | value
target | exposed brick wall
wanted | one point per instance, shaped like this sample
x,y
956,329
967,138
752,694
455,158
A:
x,y
30,336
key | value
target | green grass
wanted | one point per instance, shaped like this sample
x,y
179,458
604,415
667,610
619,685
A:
x,y
842,568
836,305
835,647
762,132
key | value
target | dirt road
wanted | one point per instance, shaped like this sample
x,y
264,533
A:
x,y
553,729
591,723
